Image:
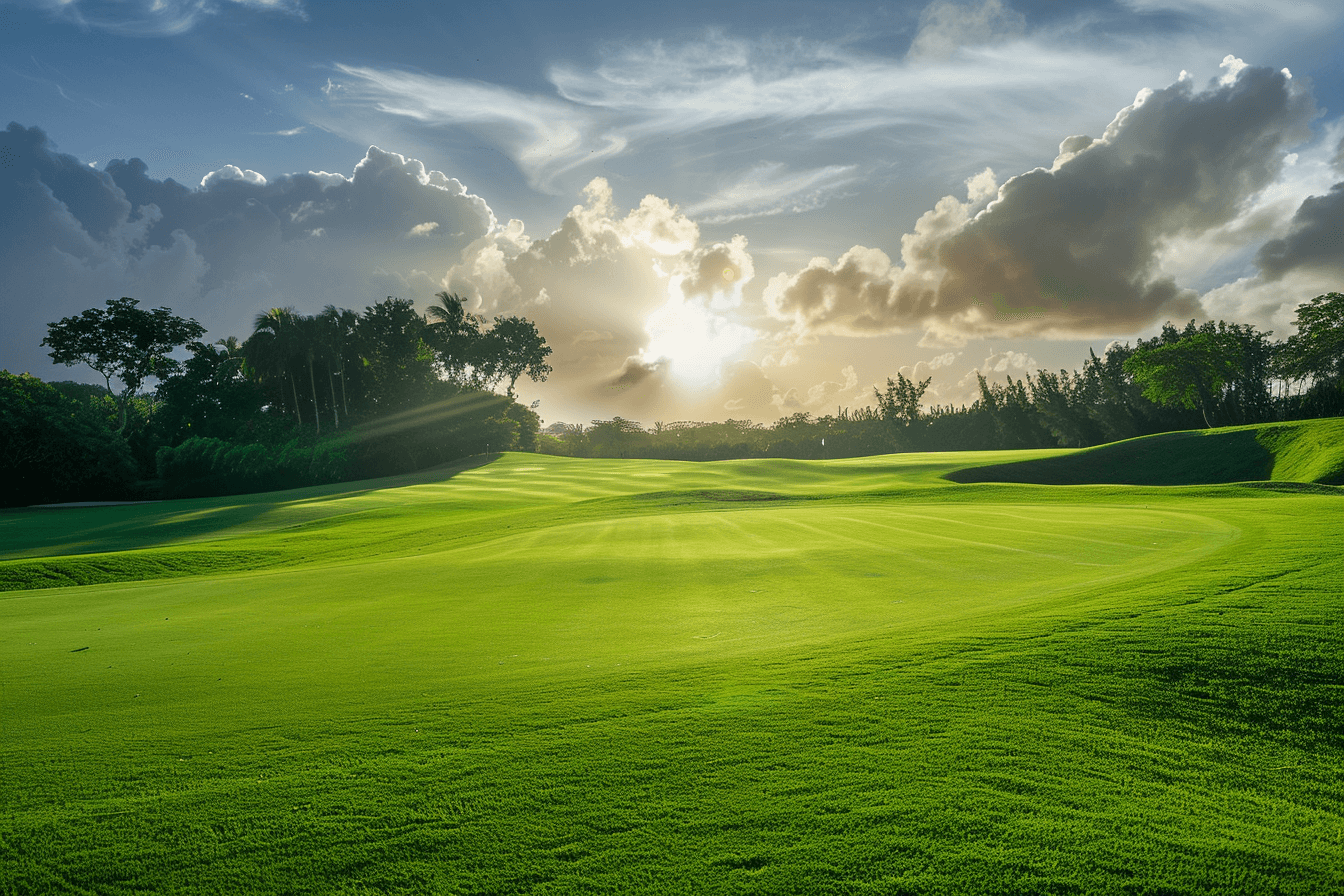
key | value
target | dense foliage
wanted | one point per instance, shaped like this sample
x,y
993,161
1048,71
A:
x,y
304,400
1213,374
343,394
58,448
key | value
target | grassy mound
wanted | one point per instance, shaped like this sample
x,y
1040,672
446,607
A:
x,y
1309,451
554,675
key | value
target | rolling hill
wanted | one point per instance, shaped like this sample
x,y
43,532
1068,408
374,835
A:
x,y
548,675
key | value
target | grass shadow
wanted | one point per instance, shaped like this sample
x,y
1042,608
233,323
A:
x,y
28,532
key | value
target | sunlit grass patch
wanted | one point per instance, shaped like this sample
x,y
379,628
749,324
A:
x,y
558,675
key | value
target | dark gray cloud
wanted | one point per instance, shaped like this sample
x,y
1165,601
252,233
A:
x,y
1315,238
1073,249
73,237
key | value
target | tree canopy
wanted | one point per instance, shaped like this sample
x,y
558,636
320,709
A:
x,y
1316,350
123,342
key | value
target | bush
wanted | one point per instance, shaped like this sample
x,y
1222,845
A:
x,y
203,466
57,448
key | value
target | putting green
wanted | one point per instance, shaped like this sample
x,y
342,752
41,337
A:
x,y
557,675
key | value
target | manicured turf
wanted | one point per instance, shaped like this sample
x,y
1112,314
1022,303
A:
x,y
550,675
1304,451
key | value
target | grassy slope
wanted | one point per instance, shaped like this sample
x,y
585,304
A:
x,y
554,675
1306,451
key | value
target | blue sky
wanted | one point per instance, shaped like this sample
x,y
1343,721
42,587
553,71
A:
x,y
711,209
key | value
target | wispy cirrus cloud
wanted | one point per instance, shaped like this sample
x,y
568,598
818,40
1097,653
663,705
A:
x,y
543,135
771,189
156,18
820,106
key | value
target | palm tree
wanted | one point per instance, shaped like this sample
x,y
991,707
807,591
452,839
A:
x,y
456,334
308,343
338,328
272,348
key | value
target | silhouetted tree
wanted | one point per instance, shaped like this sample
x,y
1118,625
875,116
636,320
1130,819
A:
x,y
272,353
397,360
511,348
454,335
122,342
210,395
57,448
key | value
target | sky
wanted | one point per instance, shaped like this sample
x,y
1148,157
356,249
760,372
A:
x,y
736,210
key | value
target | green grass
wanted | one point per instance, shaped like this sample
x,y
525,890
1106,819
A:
x,y
553,675
1306,452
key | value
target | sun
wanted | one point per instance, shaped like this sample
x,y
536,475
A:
x,y
693,340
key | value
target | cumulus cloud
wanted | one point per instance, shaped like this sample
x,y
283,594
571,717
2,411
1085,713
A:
x,y
644,316
923,369
819,397
787,359
73,237
232,172
1072,249
1315,239
996,367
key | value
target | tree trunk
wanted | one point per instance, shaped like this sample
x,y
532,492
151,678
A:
x,y
295,389
312,383
331,381
345,405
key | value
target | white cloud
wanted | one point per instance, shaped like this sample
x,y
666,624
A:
x,y
945,27
73,237
1075,249
923,369
545,136
159,18
643,94
770,189
232,172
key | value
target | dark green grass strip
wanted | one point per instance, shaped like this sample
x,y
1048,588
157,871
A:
x,y
130,566
1310,451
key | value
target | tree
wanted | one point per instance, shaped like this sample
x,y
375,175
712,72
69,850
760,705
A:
x,y
57,448
210,396
272,352
455,335
122,342
310,344
338,332
900,404
1316,350
513,347
1190,372
399,364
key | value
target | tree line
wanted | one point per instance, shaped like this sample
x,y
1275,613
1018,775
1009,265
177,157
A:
x,y
304,399
1212,374
344,394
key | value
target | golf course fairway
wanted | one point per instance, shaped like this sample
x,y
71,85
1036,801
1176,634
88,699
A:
x,y
532,674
